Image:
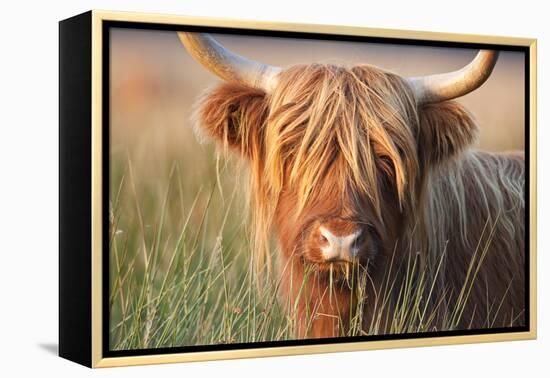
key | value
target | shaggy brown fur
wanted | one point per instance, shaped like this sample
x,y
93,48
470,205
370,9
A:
x,y
350,147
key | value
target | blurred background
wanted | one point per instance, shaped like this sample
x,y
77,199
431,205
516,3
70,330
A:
x,y
154,83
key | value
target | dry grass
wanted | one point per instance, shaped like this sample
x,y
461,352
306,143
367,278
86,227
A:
x,y
181,271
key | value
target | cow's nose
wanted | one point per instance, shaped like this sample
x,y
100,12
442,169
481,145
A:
x,y
339,246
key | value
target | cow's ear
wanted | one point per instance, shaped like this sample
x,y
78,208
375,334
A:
x,y
234,115
446,129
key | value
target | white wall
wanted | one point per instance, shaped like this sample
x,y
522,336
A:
x,y
29,174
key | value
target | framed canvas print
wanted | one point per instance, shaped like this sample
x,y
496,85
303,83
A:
x,y
236,189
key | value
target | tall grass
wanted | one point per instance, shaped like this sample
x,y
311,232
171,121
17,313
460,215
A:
x,y
181,270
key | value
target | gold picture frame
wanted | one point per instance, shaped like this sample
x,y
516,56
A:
x,y
82,233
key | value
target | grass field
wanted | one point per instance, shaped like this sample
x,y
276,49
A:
x,y
180,266
182,272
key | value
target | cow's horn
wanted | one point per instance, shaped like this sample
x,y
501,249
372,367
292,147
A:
x,y
442,87
228,65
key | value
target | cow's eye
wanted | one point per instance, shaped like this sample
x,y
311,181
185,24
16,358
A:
x,y
323,239
360,240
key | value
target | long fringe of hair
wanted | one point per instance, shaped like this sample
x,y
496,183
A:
x,y
361,126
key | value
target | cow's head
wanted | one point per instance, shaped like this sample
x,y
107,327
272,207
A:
x,y
338,154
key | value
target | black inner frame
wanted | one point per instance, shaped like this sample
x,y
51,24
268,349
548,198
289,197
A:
x,y
106,25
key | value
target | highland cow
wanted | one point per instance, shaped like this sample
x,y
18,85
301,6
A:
x,y
357,172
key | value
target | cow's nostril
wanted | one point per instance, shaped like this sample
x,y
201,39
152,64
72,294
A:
x,y
337,241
